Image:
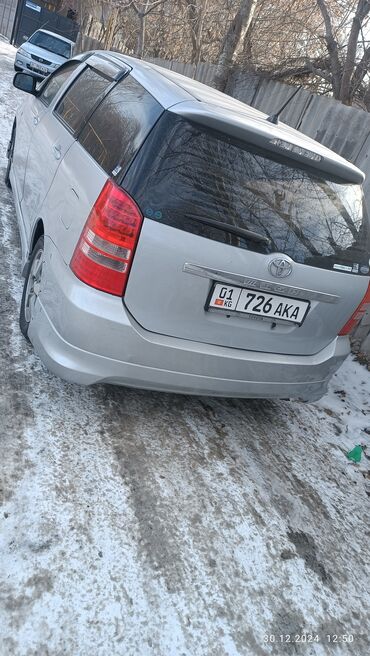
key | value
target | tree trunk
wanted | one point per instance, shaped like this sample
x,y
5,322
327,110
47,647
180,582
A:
x,y
199,31
111,29
141,36
234,37
332,47
193,20
363,9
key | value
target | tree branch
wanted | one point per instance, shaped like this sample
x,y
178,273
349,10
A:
x,y
363,9
332,47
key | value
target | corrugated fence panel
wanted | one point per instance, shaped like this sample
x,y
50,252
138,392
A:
x,y
363,162
205,73
294,112
344,129
159,62
244,87
184,69
269,96
7,15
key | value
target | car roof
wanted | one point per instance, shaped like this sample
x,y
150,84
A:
x,y
59,36
213,109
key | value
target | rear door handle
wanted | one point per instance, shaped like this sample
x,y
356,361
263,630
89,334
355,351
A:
x,y
57,151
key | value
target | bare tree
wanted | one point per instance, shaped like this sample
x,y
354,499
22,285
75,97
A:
x,y
350,64
142,10
322,44
233,39
335,58
197,11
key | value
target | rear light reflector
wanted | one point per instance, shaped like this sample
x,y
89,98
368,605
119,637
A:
x,y
358,314
105,250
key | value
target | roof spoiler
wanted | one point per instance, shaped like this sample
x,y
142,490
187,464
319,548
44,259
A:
x,y
279,139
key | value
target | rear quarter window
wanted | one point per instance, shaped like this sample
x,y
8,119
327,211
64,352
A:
x,y
81,98
119,125
56,81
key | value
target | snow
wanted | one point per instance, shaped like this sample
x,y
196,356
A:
x,y
348,397
135,523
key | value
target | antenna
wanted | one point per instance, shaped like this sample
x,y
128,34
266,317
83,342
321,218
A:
x,y
274,118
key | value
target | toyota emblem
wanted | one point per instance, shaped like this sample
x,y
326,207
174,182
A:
x,y
280,268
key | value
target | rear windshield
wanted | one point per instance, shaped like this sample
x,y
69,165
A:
x,y
51,43
185,175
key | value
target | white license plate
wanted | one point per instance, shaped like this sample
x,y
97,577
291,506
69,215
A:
x,y
38,69
259,304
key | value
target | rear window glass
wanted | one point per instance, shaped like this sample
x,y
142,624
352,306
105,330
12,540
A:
x,y
51,43
186,175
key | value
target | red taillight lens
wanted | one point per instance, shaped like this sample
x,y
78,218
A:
x,y
359,312
105,250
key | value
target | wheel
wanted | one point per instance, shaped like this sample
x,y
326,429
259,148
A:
x,y
10,158
32,286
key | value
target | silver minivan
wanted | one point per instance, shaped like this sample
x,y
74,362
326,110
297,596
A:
x,y
175,239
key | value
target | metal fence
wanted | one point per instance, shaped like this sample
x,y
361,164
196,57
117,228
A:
x,y
7,15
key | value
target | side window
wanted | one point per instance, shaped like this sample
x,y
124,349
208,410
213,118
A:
x,y
119,125
81,97
56,81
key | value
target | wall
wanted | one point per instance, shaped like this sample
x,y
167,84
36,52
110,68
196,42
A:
x,y
7,15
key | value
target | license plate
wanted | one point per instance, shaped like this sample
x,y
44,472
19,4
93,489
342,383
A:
x,y
255,303
38,69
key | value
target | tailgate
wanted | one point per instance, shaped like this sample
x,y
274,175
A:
x,y
236,213
165,297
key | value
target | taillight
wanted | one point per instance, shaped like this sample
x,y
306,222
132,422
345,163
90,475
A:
x,y
359,312
105,250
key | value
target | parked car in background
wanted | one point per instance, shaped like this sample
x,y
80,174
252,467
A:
x,y
43,53
175,239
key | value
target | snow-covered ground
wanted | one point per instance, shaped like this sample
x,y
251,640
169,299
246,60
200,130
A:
x,y
144,524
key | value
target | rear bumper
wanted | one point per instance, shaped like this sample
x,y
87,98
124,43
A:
x,y
87,337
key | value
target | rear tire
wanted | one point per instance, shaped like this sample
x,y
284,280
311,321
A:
x,y
32,286
10,158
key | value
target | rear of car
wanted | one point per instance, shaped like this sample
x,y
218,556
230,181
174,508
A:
x,y
196,251
231,216
43,53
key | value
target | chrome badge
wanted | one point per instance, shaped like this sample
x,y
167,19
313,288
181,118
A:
x,y
280,268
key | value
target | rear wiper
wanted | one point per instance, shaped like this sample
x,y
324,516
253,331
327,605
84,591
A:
x,y
226,227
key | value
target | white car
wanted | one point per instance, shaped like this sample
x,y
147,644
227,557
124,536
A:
x,y
43,53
